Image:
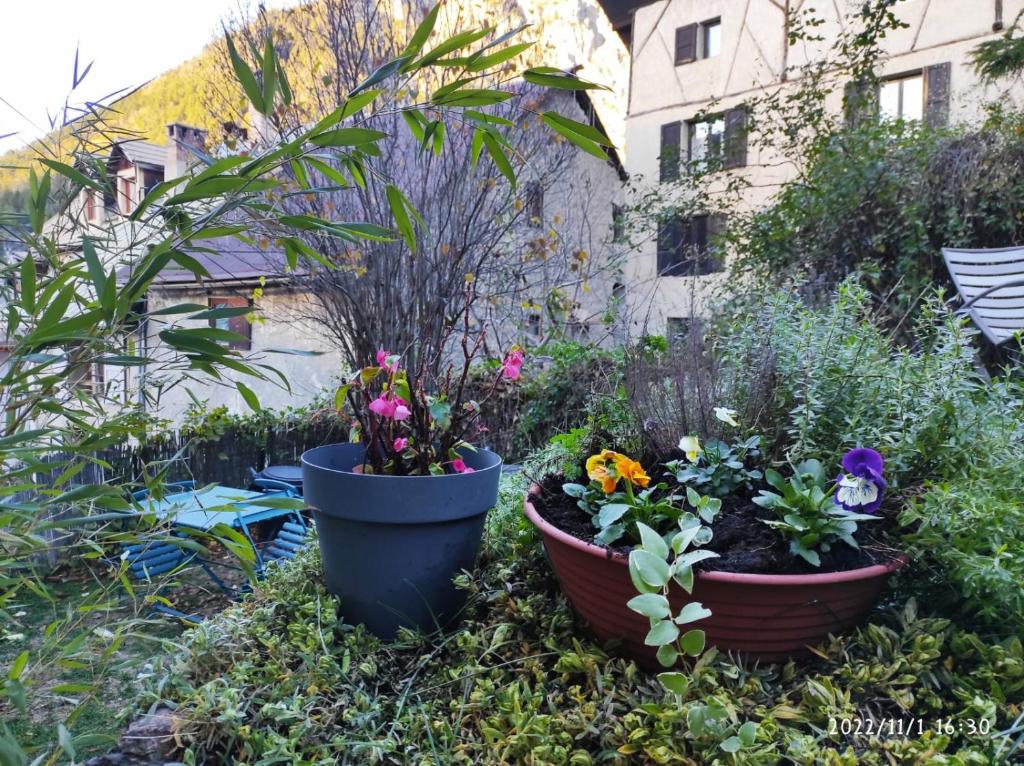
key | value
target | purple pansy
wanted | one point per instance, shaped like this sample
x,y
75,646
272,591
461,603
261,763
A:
x,y
860,488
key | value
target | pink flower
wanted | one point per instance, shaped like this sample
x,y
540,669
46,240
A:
x,y
459,466
390,407
512,365
383,406
382,360
400,444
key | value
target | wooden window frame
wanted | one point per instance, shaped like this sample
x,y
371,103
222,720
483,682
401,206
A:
x,y
702,36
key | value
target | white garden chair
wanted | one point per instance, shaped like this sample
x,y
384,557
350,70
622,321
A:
x,y
991,284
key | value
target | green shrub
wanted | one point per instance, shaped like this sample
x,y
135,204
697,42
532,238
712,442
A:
x,y
881,199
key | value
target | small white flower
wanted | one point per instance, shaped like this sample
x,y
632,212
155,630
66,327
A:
x,y
691,446
726,415
854,491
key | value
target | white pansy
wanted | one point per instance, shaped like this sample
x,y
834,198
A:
x,y
691,446
854,491
726,415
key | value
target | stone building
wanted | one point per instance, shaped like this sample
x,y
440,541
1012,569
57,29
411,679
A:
x,y
709,57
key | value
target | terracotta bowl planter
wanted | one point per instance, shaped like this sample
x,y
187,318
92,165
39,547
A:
x,y
764,617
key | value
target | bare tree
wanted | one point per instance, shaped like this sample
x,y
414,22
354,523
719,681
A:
x,y
524,265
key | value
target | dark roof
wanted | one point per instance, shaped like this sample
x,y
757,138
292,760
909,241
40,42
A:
x,y
232,261
143,152
620,12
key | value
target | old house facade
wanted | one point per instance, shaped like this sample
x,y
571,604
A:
x,y
701,57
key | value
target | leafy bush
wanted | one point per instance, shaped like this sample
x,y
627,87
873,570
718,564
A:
x,y
277,677
973,528
881,199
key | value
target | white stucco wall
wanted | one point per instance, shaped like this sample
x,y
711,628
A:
x,y
754,55
282,327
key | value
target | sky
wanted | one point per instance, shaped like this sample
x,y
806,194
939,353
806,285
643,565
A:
x,y
128,41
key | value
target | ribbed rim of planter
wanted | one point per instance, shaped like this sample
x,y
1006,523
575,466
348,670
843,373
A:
x,y
825,578
496,466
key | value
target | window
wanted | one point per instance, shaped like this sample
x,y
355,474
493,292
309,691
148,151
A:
x,y
902,98
618,223
698,41
677,330
533,205
710,38
704,139
684,246
668,157
239,325
91,206
126,195
534,325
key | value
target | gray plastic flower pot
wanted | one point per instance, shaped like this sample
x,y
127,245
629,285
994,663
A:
x,y
391,545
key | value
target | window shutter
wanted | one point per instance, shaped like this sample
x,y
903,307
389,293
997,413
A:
x,y
686,44
715,257
671,135
666,247
936,95
857,102
735,138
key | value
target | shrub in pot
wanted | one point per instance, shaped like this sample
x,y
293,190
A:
x,y
400,509
636,578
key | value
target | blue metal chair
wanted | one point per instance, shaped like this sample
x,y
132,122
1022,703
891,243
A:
x,y
189,510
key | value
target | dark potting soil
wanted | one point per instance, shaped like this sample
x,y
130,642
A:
x,y
742,541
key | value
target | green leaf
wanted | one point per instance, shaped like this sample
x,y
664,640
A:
x,y
652,570
380,74
422,33
64,737
748,734
452,44
652,541
661,633
653,605
612,512
28,283
347,137
20,662
692,643
676,683
683,577
500,160
473,97
549,77
357,103
92,261
400,207
731,745
574,490
245,76
269,74
691,613
667,655
479,63
76,177
570,128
